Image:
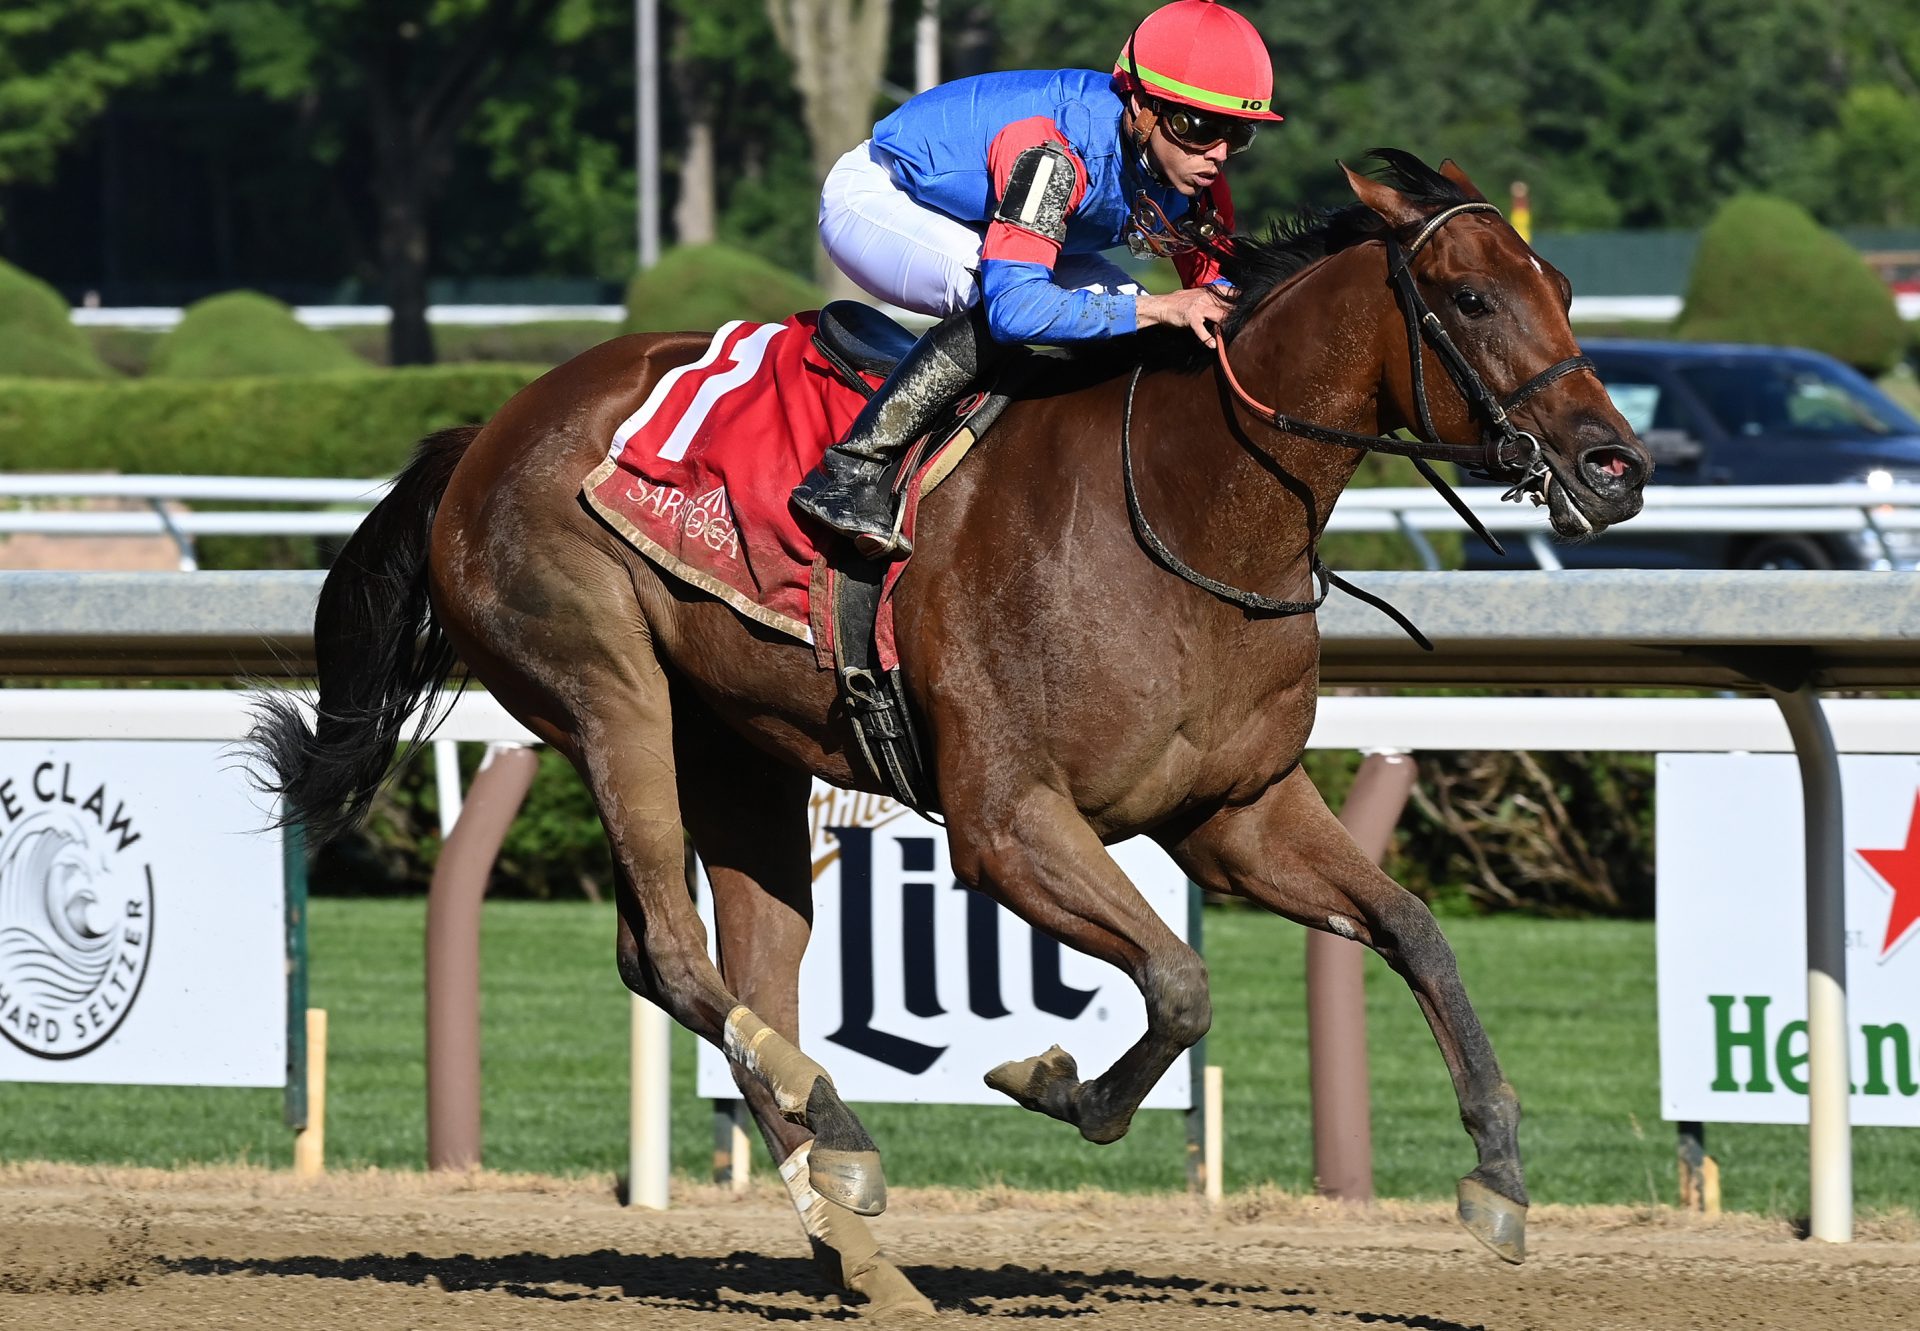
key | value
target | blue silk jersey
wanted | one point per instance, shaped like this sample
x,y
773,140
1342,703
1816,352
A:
x,y
937,144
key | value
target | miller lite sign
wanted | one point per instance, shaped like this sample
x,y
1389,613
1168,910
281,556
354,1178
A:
x,y
913,987
142,917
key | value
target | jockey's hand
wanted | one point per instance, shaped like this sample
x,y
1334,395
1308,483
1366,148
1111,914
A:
x,y
1194,308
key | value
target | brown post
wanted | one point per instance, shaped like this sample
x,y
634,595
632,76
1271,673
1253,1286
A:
x,y
453,954
1336,999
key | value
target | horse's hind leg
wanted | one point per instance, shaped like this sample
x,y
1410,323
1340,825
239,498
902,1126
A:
x,y
1287,852
1044,862
629,767
748,816
583,675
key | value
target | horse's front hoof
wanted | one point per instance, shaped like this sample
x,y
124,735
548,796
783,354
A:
x,y
1047,1083
853,1179
844,1165
1496,1221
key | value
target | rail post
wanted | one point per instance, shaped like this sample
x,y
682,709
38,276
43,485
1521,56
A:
x,y
1829,1121
1337,1001
453,953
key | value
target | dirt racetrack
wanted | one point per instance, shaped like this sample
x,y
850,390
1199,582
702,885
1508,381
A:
x,y
141,1250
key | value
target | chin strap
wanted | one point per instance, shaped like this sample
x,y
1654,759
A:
x,y
1138,123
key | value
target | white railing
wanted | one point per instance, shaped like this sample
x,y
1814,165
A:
x,y
1412,512
166,514
1626,309
1409,512
159,318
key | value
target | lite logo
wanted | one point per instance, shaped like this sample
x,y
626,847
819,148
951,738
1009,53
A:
x,y
76,912
919,951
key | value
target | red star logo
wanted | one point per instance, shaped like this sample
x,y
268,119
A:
x,y
1900,871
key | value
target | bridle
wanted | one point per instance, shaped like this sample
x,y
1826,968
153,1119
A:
x,y
1505,451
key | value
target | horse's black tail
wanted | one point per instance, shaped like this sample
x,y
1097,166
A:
x,y
380,654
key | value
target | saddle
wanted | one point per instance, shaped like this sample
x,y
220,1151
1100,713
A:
x,y
853,604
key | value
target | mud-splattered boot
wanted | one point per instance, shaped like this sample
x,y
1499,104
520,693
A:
x,y
847,492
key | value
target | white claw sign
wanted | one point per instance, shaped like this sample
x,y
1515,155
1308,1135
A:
x,y
914,987
142,917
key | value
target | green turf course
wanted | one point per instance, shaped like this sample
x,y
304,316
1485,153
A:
x,y
1570,1007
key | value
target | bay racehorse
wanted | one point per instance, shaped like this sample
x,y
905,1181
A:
x,y
1081,681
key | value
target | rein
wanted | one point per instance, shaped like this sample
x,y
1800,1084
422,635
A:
x,y
1509,451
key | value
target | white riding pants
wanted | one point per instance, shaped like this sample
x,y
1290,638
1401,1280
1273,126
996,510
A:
x,y
915,257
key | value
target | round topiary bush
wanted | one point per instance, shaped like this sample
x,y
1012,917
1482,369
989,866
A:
x,y
698,287
38,339
1767,272
242,333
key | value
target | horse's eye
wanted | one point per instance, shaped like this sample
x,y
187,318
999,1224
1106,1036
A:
x,y
1469,303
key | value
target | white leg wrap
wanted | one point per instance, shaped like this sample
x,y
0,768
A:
x,y
810,1204
777,1065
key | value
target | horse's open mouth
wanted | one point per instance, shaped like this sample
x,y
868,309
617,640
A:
x,y
1602,489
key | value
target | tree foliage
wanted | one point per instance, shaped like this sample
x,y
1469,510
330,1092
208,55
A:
x,y
404,78
492,136
61,60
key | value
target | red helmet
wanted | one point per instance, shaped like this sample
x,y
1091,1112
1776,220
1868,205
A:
x,y
1202,55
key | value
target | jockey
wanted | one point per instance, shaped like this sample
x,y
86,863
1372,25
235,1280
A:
x,y
986,202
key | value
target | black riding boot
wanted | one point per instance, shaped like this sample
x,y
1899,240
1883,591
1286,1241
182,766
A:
x,y
847,492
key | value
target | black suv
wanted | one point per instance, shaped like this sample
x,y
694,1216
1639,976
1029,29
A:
x,y
1717,414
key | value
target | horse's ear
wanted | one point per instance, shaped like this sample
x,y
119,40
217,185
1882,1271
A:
x,y
1452,172
1399,211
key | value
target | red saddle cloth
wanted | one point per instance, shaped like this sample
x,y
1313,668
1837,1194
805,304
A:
x,y
698,478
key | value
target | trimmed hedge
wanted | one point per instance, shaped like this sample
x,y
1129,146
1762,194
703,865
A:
x,y
37,332
1767,272
243,333
700,287
546,343
354,424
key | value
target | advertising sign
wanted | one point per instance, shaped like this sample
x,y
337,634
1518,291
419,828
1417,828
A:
x,y
914,987
1732,937
142,932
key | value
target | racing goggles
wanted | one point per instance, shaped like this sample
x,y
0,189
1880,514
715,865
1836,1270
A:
x,y
1197,131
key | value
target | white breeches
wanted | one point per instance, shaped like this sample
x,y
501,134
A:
x,y
917,258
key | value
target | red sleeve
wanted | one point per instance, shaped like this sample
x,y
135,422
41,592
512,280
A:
x,y
1197,268
1005,240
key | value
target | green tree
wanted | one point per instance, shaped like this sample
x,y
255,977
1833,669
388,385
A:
x,y
560,129
60,61
406,77
837,50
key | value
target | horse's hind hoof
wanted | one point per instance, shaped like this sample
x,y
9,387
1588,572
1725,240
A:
x,y
844,1165
1496,1221
1047,1083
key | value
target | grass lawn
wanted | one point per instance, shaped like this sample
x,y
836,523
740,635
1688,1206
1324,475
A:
x,y
1569,1005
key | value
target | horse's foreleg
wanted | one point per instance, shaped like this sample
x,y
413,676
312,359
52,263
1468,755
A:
x,y
1046,865
748,817
1288,852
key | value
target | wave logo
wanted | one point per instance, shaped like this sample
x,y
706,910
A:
x,y
76,926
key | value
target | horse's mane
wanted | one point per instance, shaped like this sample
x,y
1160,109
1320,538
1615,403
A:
x,y
1257,264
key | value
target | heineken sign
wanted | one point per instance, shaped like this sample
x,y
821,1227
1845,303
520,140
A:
x,y
913,986
1732,938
